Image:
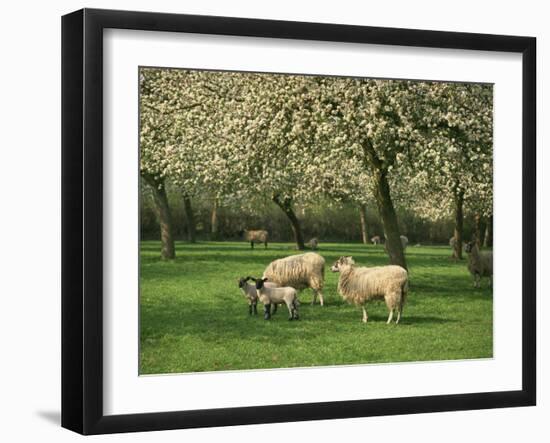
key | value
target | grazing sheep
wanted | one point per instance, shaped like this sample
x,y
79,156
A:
x,y
359,285
300,272
375,240
480,264
269,296
260,236
313,243
250,293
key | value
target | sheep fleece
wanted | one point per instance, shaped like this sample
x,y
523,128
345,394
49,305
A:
x,y
359,285
298,271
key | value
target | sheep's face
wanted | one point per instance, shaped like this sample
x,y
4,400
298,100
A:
x,y
260,283
243,281
469,246
342,262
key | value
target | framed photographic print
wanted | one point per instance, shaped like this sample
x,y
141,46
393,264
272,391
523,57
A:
x,y
269,221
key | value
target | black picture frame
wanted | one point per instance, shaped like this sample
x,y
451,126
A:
x,y
82,218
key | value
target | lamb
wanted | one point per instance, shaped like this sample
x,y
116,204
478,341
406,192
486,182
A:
x,y
269,296
480,264
259,236
313,243
300,272
359,285
375,240
250,293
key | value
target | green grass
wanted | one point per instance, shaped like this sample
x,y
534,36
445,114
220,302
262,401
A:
x,y
194,318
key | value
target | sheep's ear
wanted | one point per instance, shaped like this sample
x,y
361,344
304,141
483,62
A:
x,y
264,279
247,278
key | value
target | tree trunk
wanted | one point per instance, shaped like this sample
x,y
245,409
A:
x,y
459,223
214,220
389,219
189,220
488,240
364,232
286,206
168,250
477,229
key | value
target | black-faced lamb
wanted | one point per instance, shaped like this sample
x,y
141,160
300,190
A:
x,y
259,236
250,293
480,263
274,296
300,272
359,285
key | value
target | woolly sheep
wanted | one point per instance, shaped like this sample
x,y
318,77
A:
x,y
375,240
250,293
260,236
269,296
480,264
300,272
313,243
359,285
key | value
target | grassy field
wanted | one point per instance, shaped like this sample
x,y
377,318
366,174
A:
x,y
194,318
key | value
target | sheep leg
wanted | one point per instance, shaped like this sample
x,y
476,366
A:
x,y
255,308
274,308
290,311
399,312
265,245
321,301
251,245
267,313
316,293
295,309
390,317
365,316
250,309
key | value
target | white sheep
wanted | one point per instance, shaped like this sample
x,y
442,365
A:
x,y
313,243
375,240
359,285
250,293
480,264
274,296
259,236
300,272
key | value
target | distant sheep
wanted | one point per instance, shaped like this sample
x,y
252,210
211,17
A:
x,y
250,293
359,285
273,296
300,272
375,240
259,236
313,243
480,264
